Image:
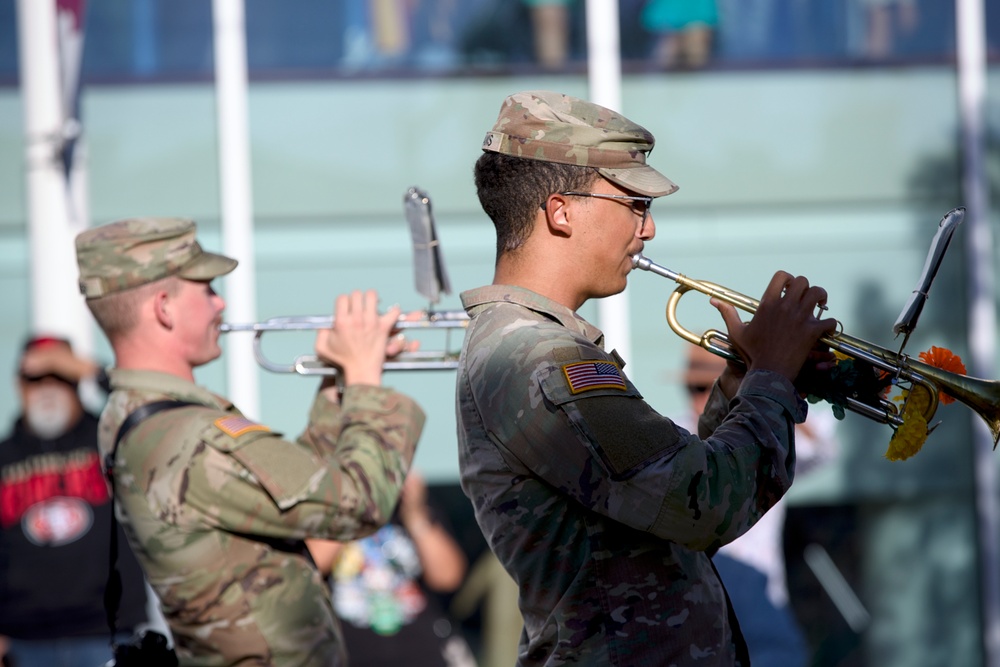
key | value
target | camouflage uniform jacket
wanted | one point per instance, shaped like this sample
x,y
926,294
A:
x,y
216,508
600,508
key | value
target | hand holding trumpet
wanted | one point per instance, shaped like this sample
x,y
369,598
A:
x,y
360,338
784,331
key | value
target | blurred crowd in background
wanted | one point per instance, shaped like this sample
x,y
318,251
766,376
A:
x,y
157,39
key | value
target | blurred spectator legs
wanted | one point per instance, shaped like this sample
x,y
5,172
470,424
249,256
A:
x,y
685,30
489,588
687,48
886,20
550,26
391,27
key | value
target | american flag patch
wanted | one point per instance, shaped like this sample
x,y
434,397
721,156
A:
x,y
586,375
236,425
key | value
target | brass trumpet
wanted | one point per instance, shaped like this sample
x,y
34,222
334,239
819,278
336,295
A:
x,y
418,360
982,396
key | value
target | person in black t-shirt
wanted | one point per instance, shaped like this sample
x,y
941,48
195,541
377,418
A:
x,y
55,521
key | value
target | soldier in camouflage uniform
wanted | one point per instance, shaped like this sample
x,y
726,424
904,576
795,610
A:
x,y
602,510
217,507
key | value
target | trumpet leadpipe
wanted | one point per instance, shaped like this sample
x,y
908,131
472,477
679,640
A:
x,y
444,319
444,359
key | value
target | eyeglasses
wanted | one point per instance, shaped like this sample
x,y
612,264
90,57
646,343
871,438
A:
x,y
638,203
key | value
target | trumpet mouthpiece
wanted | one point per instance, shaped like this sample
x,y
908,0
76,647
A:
x,y
640,262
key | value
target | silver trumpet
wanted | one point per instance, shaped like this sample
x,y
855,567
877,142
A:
x,y
982,396
418,360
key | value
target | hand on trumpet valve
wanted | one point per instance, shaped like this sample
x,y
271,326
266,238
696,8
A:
x,y
784,332
360,338
398,343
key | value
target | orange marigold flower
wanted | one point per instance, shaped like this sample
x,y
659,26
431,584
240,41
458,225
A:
x,y
946,360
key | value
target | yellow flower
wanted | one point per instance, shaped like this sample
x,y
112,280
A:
x,y
912,433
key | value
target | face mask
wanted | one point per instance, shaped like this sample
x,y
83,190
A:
x,y
48,411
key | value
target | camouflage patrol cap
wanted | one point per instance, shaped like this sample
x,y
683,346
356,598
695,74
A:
x,y
129,253
552,127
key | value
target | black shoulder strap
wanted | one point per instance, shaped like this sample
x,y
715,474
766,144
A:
x,y
113,589
133,418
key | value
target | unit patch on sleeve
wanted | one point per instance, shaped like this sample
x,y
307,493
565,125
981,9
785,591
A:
x,y
586,375
235,425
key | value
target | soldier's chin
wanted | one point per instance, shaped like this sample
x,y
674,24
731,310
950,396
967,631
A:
x,y
613,289
211,354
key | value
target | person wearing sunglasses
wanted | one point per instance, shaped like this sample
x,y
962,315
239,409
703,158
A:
x,y
601,509
55,518
700,372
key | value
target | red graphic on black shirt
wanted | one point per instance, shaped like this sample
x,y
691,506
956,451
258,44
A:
x,y
74,475
57,521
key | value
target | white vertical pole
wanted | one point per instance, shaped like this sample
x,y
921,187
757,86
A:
x,y
604,65
237,198
971,59
71,68
604,79
56,304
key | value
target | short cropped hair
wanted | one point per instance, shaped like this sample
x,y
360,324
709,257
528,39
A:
x,y
511,190
118,313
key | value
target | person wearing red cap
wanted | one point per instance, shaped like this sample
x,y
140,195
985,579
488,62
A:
x,y
55,520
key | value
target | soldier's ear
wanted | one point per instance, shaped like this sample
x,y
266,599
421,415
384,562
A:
x,y
557,215
162,308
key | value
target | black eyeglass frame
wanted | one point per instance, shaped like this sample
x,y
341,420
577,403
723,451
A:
x,y
695,389
631,200
37,379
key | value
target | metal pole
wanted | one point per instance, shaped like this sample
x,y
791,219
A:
x,y
604,80
971,59
56,304
237,199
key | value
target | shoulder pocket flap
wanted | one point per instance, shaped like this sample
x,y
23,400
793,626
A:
x,y
286,471
625,435
578,379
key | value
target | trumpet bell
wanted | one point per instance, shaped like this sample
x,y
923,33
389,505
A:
x,y
981,396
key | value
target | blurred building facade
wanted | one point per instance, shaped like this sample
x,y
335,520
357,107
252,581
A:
x,y
797,146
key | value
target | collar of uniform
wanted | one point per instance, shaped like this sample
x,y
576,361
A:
x,y
534,301
156,382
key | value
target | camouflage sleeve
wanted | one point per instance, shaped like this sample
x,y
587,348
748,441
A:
x,y
743,468
601,444
324,424
716,409
344,484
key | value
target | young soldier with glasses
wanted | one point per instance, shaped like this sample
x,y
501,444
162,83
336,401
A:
x,y
602,510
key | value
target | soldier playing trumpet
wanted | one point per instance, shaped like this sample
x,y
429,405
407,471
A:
x,y
216,506
602,510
